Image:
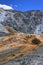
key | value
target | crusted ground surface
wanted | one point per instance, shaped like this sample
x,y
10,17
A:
x,y
16,45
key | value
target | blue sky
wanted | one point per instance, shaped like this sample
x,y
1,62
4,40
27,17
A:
x,y
24,5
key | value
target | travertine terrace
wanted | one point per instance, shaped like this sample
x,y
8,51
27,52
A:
x,y
18,44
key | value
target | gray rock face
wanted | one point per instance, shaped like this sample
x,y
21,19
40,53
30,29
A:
x,y
26,22
39,29
3,31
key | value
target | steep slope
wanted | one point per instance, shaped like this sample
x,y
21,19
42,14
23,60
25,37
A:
x,y
27,22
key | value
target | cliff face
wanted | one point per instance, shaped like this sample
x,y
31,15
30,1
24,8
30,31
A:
x,y
27,22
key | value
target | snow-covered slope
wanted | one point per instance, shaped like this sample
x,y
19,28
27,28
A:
x,y
27,22
5,7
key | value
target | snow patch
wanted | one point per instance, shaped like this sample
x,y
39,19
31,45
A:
x,y
6,7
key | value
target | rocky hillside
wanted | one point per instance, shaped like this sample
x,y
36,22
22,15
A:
x,y
21,37
27,22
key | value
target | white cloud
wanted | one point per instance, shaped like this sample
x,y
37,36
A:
x,y
6,7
